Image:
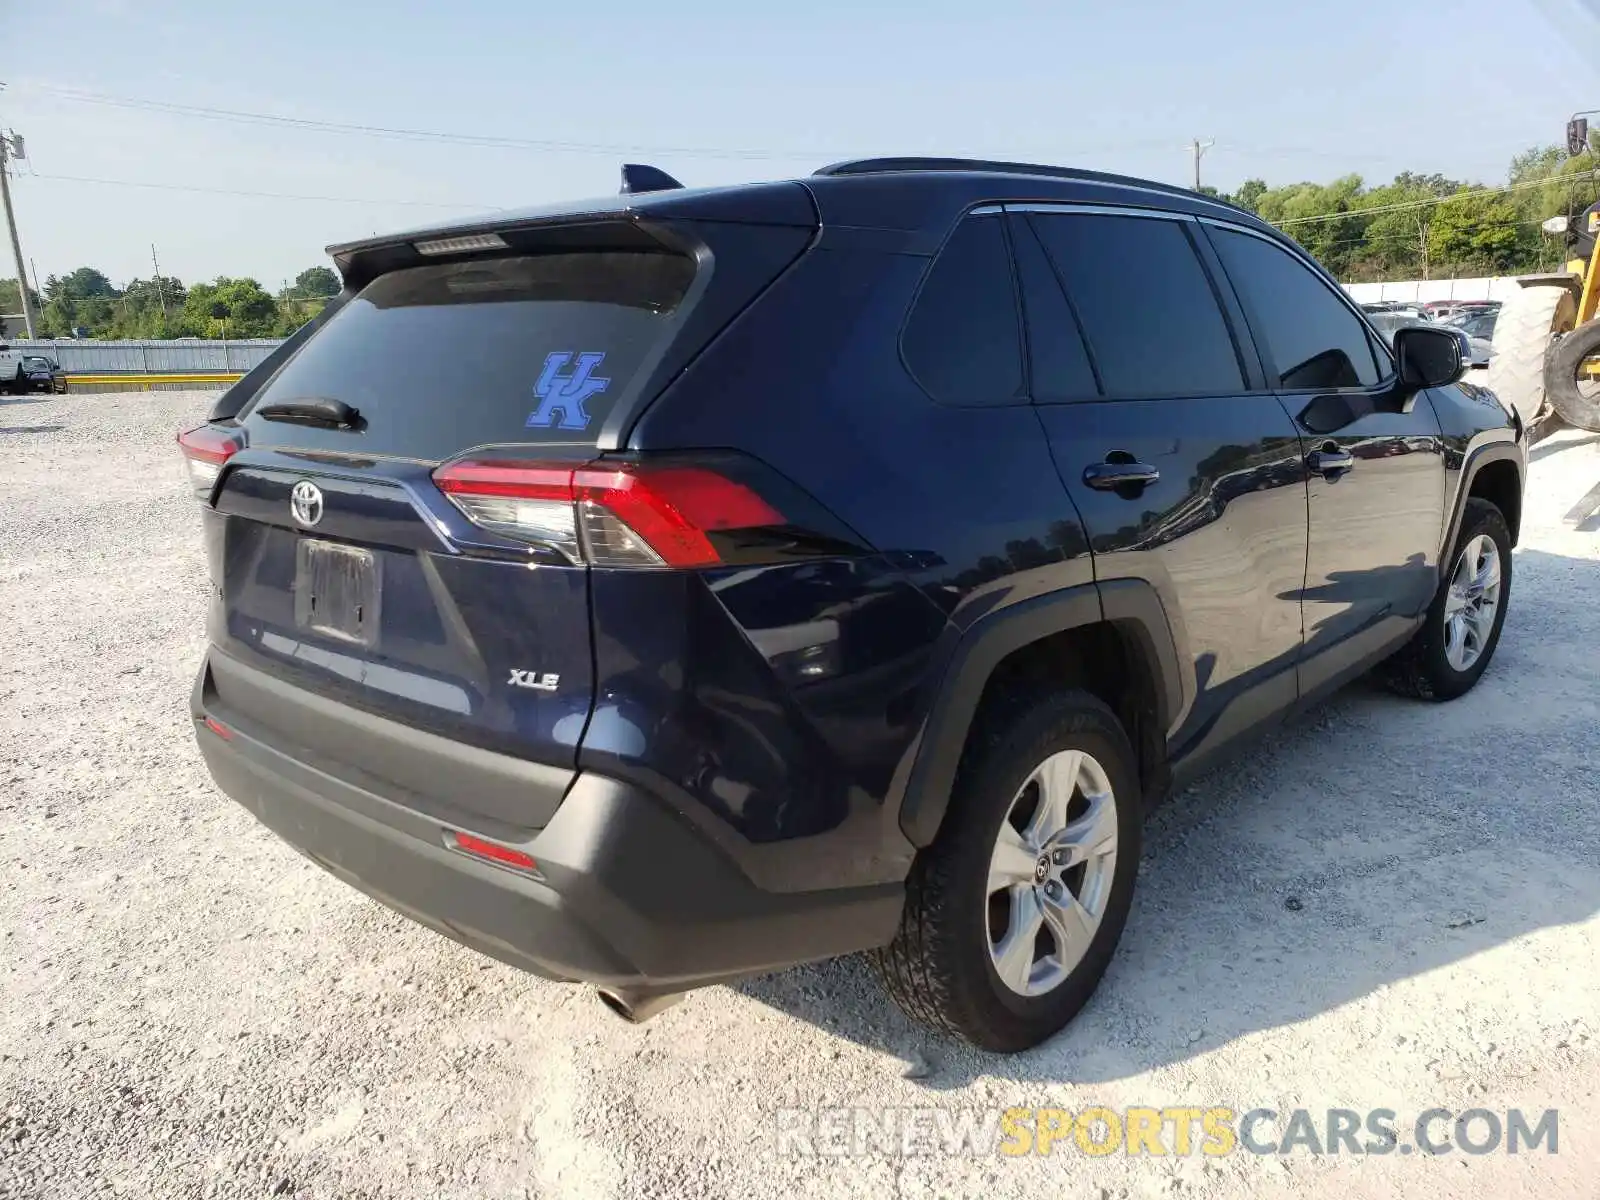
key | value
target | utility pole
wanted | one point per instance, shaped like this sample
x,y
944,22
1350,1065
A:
x,y
1197,148
11,147
160,291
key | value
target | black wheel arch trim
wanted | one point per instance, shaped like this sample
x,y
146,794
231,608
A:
x,y
933,761
1476,459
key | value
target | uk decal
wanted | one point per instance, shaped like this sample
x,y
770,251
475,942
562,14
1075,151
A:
x,y
562,396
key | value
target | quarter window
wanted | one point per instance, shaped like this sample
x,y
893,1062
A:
x,y
963,339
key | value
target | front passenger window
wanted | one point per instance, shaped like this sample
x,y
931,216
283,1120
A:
x,y
1313,339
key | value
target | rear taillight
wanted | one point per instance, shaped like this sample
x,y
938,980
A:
x,y
205,448
611,515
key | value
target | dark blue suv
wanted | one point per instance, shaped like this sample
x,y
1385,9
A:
x,y
660,590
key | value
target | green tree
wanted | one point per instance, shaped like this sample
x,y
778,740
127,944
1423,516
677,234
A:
x,y
1481,233
1249,194
151,308
85,299
235,308
315,282
1319,217
11,299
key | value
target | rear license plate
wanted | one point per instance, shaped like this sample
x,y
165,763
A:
x,y
337,590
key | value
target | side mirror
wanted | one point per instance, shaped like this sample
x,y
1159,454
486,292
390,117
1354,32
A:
x,y
1431,355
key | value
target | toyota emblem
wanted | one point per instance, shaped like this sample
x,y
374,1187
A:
x,y
305,503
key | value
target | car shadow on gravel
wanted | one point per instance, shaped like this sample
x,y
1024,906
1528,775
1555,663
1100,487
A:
x,y
1369,841
27,398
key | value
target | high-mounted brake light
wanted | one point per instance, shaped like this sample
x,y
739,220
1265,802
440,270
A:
x,y
623,515
205,448
461,245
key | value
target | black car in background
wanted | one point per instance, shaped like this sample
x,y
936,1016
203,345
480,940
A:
x,y
41,374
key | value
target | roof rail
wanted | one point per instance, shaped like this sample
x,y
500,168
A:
x,y
875,166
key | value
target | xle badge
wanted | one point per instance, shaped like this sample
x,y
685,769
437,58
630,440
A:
x,y
534,680
564,396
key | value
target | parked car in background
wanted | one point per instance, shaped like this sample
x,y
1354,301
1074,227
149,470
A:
x,y
41,374
1413,312
1478,324
1450,310
10,368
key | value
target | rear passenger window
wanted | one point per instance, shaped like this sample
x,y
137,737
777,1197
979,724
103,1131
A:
x,y
1146,305
963,340
1312,337
1059,363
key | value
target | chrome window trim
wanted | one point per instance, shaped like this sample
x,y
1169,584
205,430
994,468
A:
x,y
1097,210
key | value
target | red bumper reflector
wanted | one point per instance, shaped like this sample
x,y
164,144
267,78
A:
x,y
493,852
218,728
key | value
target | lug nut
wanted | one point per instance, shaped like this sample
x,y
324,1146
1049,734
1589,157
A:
x,y
1052,889
1059,858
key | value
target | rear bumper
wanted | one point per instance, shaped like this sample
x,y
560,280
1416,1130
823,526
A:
x,y
630,894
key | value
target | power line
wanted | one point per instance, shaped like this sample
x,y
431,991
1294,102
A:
x,y
495,141
182,187
242,116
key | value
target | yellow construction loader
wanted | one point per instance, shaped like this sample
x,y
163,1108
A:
x,y
1546,361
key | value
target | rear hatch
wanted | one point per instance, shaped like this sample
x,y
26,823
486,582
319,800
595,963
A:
x,y
402,517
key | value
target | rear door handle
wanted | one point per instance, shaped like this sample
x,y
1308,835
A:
x,y
1330,461
1109,476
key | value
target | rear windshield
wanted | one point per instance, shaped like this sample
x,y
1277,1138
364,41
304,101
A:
x,y
438,359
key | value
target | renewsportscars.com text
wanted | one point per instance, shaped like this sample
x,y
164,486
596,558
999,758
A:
x,y
1177,1131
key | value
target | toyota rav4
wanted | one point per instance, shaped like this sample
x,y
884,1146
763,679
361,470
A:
x,y
660,590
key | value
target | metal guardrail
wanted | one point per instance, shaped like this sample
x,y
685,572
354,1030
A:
x,y
180,356
133,379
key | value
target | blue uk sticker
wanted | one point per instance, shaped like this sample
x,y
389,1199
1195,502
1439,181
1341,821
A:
x,y
562,397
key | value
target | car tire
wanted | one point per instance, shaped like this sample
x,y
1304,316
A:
x,y
1047,778
1448,655
1528,320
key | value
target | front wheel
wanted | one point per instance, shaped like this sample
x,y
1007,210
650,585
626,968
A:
x,y
1446,657
1014,911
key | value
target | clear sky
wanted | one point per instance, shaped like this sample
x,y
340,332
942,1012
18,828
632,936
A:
x,y
718,92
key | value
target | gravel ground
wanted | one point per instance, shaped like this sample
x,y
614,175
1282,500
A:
x,y
1390,904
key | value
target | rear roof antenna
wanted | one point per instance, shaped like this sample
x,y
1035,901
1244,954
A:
x,y
639,177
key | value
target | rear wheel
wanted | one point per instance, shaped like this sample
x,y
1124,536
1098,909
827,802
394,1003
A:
x,y
1012,915
1522,333
1458,638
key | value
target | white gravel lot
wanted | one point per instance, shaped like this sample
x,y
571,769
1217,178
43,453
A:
x,y
1390,904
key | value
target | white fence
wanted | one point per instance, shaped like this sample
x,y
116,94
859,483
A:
x,y
150,358
1496,287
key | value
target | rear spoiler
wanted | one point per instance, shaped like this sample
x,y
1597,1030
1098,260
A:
x,y
609,223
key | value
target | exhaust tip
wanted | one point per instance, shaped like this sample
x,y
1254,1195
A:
x,y
636,1009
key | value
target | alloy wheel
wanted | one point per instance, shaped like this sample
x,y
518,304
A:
x,y
1474,599
1050,872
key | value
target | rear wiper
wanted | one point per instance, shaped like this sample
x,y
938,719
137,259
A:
x,y
311,411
